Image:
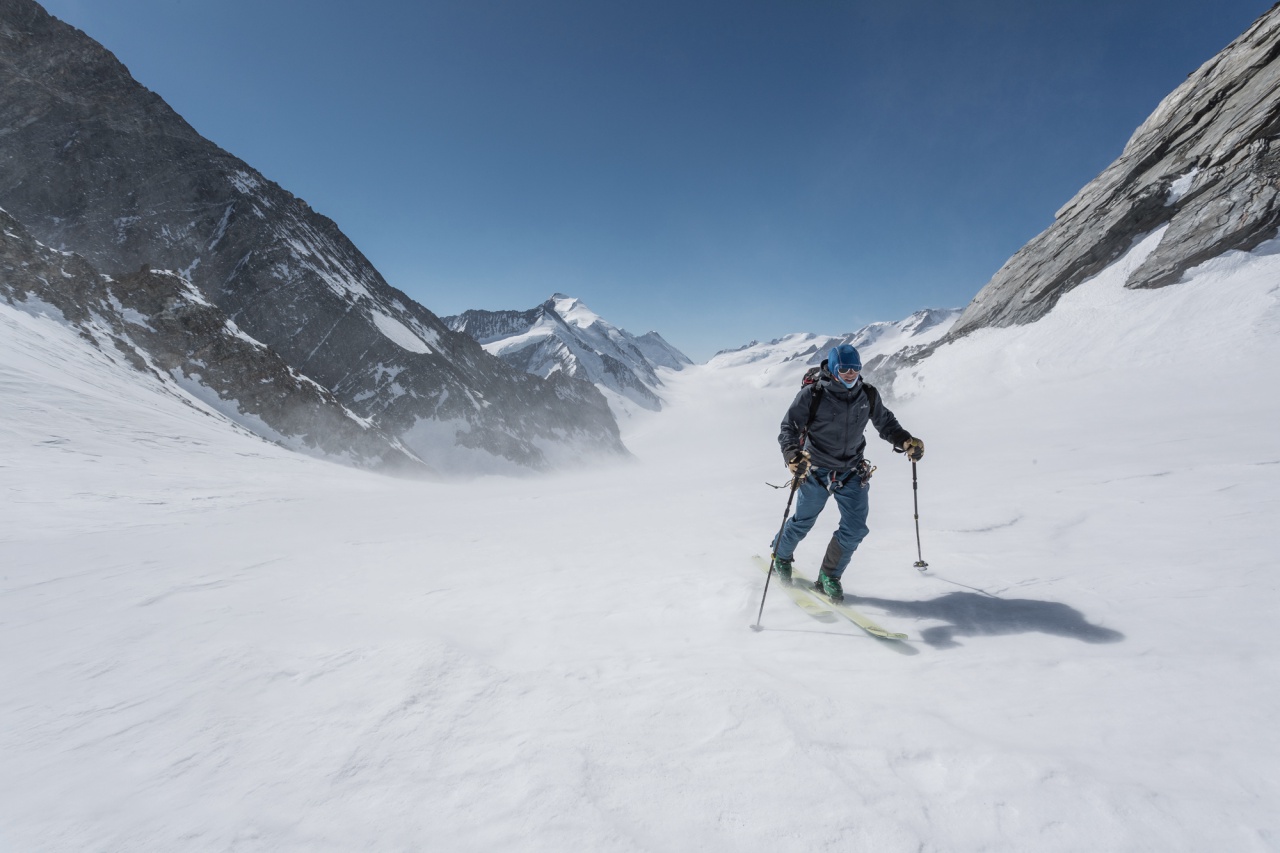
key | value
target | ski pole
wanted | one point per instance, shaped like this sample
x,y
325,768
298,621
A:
x,y
915,498
773,554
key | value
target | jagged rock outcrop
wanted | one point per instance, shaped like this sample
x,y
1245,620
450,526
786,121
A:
x,y
1206,163
564,337
160,325
94,163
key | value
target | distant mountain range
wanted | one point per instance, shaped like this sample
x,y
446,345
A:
x,y
785,359
562,335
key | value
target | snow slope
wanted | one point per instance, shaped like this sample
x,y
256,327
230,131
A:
x,y
212,644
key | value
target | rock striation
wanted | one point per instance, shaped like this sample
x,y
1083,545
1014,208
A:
x,y
1206,163
94,163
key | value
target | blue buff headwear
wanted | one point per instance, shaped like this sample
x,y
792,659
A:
x,y
843,357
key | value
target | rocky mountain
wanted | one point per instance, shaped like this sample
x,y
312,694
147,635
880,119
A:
x,y
94,163
1206,164
563,336
786,359
160,325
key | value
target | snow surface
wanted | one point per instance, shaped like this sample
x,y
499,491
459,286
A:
x,y
213,644
400,334
1180,187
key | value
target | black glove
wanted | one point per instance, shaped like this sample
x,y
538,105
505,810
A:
x,y
798,462
914,448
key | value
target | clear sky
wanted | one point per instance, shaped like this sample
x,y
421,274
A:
x,y
718,171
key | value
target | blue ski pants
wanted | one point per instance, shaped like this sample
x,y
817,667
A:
x,y
811,497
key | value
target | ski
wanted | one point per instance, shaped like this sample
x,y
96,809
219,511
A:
x,y
863,622
807,603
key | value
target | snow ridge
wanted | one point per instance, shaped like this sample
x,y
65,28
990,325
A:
x,y
784,358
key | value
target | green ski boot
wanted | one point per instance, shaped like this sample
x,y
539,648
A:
x,y
830,587
782,568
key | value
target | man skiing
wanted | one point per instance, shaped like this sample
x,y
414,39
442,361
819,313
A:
x,y
822,442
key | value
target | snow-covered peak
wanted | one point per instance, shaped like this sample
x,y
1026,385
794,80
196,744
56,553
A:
x,y
562,335
574,312
660,353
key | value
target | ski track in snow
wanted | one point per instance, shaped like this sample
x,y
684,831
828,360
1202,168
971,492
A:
x,y
213,644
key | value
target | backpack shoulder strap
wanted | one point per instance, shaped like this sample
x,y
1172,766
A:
x,y
810,381
871,392
815,398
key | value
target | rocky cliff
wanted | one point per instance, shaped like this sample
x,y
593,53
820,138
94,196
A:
x,y
94,163
1206,163
158,324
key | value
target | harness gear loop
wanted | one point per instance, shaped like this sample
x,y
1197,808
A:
x,y
861,472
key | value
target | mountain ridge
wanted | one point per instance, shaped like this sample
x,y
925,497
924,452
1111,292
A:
x,y
879,344
160,325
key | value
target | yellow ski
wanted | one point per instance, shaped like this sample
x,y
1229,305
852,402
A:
x,y
806,602
845,610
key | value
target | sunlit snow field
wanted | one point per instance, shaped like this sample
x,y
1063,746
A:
x,y
213,644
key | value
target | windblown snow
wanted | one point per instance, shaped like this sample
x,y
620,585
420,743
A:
x,y
215,644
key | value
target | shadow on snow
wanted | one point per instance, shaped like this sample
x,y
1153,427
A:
x,y
972,615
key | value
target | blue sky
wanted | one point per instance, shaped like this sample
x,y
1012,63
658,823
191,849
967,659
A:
x,y
718,171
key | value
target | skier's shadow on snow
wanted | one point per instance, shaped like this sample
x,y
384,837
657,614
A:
x,y
972,615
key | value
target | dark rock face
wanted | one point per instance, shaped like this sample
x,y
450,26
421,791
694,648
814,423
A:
x,y
161,326
1206,164
92,162
562,337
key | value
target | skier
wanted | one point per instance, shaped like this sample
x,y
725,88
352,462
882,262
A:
x,y
822,444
